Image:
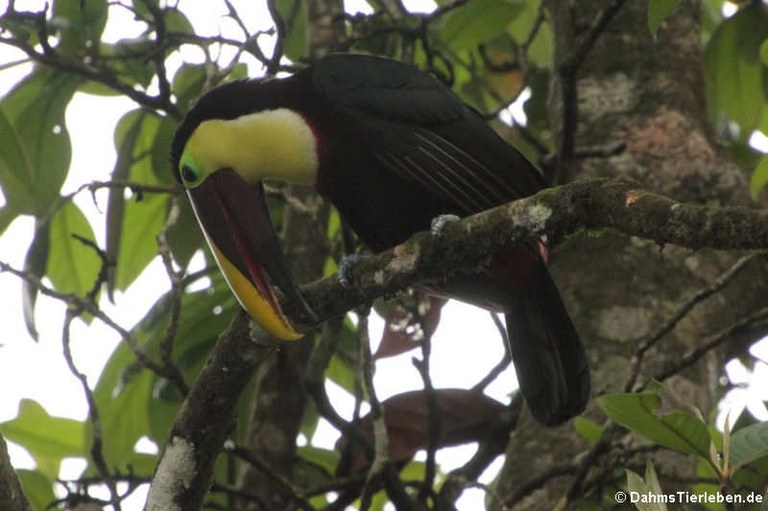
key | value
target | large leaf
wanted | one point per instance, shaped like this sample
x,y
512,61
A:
x,y
59,251
759,177
403,332
478,21
753,475
38,488
79,24
124,418
72,266
204,315
294,14
677,430
542,47
342,367
130,59
123,395
35,150
48,439
35,263
133,225
590,430
188,82
737,81
185,237
464,415
748,444
649,486
16,173
127,394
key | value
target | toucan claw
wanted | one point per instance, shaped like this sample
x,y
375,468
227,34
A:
x,y
345,267
439,223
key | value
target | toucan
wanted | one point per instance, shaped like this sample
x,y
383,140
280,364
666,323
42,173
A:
x,y
392,148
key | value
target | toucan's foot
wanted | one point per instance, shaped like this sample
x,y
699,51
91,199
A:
x,y
345,266
439,223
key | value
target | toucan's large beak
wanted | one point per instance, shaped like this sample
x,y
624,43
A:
x,y
236,223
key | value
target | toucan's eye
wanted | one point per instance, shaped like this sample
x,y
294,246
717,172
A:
x,y
189,175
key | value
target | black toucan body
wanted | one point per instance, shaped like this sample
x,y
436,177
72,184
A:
x,y
392,148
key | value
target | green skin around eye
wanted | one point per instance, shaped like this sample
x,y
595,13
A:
x,y
191,174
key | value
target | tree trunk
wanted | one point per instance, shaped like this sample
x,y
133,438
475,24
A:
x,y
281,397
649,96
12,497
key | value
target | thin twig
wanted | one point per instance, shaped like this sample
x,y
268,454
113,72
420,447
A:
x,y
567,70
695,299
273,66
502,365
176,277
295,493
576,58
435,423
380,438
750,328
537,481
97,452
158,55
88,306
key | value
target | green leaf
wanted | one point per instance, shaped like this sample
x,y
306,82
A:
x,y
478,21
748,444
711,16
129,395
204,315
48,439
130,59
759,178
649,486
658,10
185,237
677,430
79,24
542,48
133,225
188,82
37,487
16,172
752,475
764,52
176,21
7,215
35,263
341,367
590,430
124,417
73,266
36,151
737,81
324,458
294,14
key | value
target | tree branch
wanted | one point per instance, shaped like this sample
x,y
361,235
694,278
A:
x,y
185,471
199,432
618,204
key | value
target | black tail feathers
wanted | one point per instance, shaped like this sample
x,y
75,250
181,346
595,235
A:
x,y
549,359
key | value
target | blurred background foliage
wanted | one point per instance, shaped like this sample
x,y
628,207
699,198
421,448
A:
x,y
491,52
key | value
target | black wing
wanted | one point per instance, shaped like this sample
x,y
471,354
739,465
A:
x,y
419,129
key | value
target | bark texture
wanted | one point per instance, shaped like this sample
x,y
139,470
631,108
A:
x,y
281,397
648,95
12,496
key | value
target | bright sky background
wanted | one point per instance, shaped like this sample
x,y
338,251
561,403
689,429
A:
x,y
37,370
466,346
